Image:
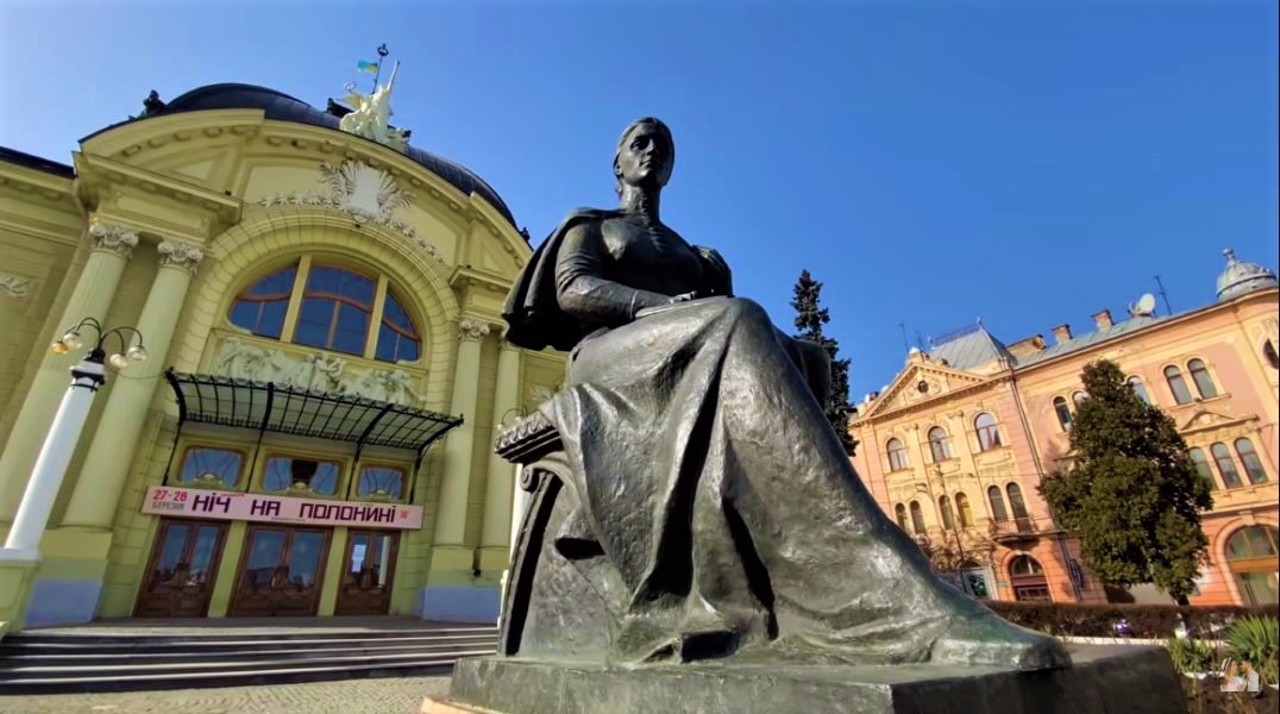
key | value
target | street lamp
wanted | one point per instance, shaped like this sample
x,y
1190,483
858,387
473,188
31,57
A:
x,y
55,455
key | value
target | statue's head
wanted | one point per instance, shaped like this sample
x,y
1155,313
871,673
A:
x,y
645,156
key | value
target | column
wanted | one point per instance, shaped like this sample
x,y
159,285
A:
x,y
106,466
451,514
92,295
498,486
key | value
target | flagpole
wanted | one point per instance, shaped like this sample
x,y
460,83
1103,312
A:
x,y
382,54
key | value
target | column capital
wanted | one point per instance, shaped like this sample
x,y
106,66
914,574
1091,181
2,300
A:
x,y
179,254
472,330
113,238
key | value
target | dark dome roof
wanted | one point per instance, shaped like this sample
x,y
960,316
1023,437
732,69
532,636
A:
x,y
282,107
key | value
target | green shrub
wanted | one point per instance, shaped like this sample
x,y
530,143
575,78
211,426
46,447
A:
x,y
1155,622
1192,656
1256,640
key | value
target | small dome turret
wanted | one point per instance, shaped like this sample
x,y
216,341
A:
x,y
1240,278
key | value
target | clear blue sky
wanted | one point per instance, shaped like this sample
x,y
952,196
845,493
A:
x,y
931,162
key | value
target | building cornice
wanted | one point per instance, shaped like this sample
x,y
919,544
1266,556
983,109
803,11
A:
x,y
99,175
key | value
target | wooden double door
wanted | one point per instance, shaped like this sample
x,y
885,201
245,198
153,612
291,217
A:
x,y
281,571
367,573
182,568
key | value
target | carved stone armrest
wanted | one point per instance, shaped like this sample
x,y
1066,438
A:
x,y
528,440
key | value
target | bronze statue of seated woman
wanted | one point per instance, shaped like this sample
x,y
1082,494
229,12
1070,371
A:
x,y
698,504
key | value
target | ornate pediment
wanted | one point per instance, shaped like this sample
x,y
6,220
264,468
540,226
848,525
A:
x,y
923,380
1205,419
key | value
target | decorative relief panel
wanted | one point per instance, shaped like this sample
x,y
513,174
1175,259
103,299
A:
x,y
113,239
315,370
16,287
367,194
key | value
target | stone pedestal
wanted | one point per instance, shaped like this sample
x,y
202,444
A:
x,y
1104,680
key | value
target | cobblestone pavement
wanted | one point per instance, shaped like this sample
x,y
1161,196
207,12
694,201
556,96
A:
x,y
356,696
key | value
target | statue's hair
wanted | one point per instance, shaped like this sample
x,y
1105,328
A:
x,y
663,131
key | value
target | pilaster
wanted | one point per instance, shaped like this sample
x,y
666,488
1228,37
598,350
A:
x,y
498,485
93,293
451,515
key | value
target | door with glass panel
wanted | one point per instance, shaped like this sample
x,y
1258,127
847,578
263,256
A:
x,y
181,569
281,570
367,573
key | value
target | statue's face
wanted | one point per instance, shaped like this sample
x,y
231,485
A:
x,y
645,159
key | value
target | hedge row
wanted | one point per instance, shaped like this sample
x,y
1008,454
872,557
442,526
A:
x,y
1145,621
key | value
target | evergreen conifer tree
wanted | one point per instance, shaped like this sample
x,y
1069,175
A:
x,y
810,317
1132,494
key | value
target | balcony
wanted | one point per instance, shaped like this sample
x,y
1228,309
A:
x,y
1023,528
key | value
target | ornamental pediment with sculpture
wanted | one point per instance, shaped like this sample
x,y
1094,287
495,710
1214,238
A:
x,y
267,361
921,382
1206,420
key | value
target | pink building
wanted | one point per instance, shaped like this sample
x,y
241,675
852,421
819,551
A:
x,y
955,448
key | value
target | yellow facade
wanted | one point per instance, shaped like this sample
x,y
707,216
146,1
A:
x,y
170,223
999,417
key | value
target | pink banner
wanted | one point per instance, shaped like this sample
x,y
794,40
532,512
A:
x,y
264,508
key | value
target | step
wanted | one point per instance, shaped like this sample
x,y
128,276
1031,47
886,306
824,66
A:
x,y
94,682
11,673
9,648
79,659
195,635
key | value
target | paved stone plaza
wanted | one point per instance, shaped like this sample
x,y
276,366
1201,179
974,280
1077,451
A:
x,y
359,696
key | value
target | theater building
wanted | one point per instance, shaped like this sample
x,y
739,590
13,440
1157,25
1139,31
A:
x,y
310,433
955,447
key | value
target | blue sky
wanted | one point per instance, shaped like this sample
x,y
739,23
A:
x,y
1025,162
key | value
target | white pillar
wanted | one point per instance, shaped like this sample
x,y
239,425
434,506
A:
x,y
519,498
51,465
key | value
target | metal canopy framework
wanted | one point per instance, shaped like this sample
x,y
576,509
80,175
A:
x,y
266,406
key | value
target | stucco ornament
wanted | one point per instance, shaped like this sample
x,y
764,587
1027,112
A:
x,y
180,254
372,113
472,329
319,371
367,194
15,287
113,238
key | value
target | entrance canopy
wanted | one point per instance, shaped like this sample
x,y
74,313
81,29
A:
x,y
227,401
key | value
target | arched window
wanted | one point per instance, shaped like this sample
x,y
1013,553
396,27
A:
x,y
262,307
1201,463
900,512
966,512
1063,411
948,517
897,455
1024,565
988,432
997,504
1252,464
1016,503
1177,385
917,517
1135,383
939,444
1200,375
381,482
335,311
1079,398
1226,467
286,472
1269,353
1251,556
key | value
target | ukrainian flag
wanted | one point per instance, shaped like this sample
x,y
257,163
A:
x,y
370,67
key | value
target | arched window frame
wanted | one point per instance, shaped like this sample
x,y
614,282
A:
x,y
939,444
1025,566
379,321
1177,385
1063,411
900,513
1017,506
995,500
1201,377
948,516
1270,354
899,460
1249,459
1201,462
1139,389
964,510
917,518
988,430
1226,465
1078,397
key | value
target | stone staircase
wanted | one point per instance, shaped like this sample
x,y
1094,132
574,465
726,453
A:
x,y
59,662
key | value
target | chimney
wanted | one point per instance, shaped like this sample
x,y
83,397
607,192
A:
x,y
1102,319
1029,346
1062,333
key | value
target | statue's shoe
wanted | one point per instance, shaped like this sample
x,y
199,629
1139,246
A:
x,y
986,639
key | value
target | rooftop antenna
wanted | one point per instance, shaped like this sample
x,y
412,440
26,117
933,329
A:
x,y
906,344
1163,294
919,341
